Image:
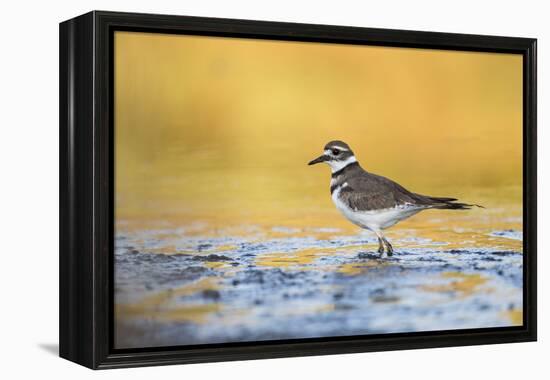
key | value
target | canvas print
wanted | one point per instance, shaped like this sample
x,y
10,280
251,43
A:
x,y
275,190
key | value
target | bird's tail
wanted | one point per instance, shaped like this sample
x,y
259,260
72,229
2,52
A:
x,y
451,204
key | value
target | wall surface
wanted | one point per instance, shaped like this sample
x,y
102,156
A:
x,y
29,160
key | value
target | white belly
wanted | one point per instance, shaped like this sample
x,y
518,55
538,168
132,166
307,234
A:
x,y
374,220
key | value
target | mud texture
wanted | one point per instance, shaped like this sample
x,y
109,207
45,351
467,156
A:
x,y
173,287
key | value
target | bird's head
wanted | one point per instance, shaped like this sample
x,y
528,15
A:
x,y
337,154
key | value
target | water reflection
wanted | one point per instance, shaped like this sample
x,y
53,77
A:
x,y
199,283
223,233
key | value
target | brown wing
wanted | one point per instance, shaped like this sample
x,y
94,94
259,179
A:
x,y
371,192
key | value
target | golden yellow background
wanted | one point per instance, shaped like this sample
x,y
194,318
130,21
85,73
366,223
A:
x,y
213,136
221,129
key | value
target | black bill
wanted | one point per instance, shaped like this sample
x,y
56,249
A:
x,y
319,159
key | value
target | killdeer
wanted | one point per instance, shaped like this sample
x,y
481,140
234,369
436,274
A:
x,y
371,201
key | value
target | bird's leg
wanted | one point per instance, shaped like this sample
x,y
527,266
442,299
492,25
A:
x,y
380,246
389,247
380,242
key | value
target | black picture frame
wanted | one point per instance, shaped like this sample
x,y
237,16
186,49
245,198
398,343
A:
x,y
86,188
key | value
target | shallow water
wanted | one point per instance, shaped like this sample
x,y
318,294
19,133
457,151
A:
x,y
197,283
224,233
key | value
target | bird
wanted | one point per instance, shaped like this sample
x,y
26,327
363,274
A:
x,y
371,201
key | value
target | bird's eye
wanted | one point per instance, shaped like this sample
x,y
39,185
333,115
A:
x,y
336,152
